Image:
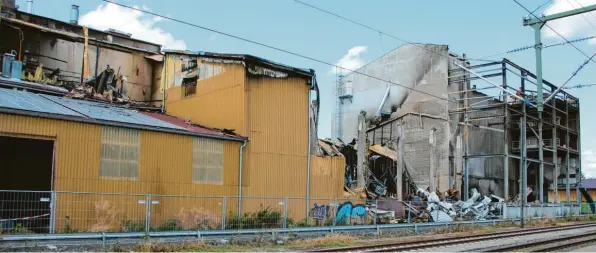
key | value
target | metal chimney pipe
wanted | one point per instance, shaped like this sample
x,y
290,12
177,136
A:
x,y
29,6
74,15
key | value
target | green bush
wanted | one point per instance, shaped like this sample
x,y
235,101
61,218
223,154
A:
x,y
264,218
132,226
168,225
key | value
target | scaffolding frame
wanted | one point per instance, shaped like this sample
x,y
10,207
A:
x,y
527,143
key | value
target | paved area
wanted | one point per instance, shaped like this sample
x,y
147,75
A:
x,y
475,247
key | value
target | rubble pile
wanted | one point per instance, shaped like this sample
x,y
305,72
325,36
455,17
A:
x,y
432,207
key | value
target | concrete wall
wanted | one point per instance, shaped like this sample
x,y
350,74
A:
x,y
414,67
411,66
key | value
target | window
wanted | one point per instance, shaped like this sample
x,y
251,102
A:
x,y
119,153
207,161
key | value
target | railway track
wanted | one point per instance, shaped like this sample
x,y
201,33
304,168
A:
x,y
551,245
420,245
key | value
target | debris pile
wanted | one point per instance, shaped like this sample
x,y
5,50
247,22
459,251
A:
x,y
427,206
431,207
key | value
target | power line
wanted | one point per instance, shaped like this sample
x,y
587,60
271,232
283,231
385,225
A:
x,y
555,31
271,47
582,15
579,86
542,5
371,28
519,49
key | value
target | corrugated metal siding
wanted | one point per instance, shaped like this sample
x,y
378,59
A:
x,y
218,102
327,176
278,146
165,167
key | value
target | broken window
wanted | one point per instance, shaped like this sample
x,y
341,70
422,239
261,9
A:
x,y
119,153
207,161
190,72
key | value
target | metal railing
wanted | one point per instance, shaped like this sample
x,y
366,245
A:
x,y
57,212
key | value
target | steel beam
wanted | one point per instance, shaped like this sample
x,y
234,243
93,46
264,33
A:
x,y
533,21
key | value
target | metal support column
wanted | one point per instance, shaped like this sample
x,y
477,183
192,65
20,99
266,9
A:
x,y
505,136
466,141
555,147
567,186
578,172
540,159
538,46
523,168
523,155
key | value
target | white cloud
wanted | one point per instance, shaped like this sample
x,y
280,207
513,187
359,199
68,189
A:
x,y
213,37
140,25
350,61
574,26
589,163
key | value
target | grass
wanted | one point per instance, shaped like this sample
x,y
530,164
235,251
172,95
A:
x,y
266,242
325,241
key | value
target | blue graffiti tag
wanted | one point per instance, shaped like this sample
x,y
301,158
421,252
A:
x,y
347,210
320,212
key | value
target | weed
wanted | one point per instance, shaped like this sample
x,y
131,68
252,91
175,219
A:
x,y
198,218
264,218
168,225
105,216
326,241
132,226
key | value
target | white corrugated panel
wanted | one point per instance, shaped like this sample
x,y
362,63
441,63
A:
x,y
207,161
120,148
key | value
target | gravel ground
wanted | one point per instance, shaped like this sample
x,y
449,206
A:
x,y
475,247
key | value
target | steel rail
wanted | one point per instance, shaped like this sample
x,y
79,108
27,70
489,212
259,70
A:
x,y
408,246
549,245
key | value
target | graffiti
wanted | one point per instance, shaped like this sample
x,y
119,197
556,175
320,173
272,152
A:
x,y
348,210
320,212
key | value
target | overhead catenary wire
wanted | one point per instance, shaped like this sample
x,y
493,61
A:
x,y
519,49
374,29
272,47
555,31
582,15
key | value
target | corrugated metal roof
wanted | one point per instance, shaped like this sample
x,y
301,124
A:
x,y
191,127
32,104
589,183
109,112
22,100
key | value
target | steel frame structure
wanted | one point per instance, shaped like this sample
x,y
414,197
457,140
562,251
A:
x,y
520,120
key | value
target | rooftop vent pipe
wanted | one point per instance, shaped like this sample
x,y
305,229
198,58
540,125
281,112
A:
x,y
29,6
74,15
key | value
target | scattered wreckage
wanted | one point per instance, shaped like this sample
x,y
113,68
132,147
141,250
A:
x,y
427,206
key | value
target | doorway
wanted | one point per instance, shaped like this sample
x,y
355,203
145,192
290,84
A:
x,y
26,174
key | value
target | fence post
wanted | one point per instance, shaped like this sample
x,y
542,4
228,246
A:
x,y
409,213
285,212
223,212
53,213
148,213
376,211
334,218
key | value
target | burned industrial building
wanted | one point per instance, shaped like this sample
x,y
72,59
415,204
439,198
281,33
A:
x,y
453,129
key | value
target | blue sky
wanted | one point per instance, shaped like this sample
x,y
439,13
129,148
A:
x,y
477,28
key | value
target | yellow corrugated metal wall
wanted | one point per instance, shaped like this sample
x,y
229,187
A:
x,y
327,176
278,138
219,99
165,167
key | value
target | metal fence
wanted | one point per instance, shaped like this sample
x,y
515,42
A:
x,y
31,212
